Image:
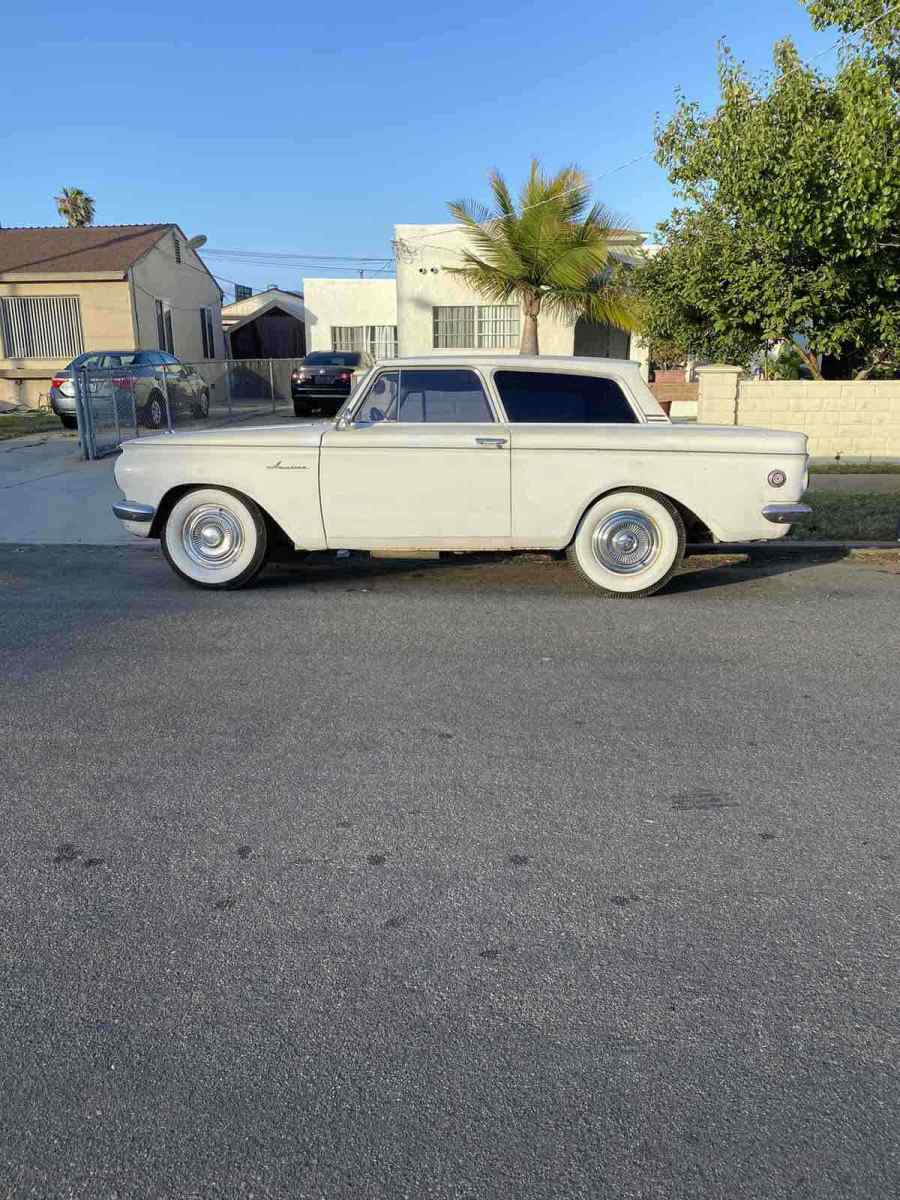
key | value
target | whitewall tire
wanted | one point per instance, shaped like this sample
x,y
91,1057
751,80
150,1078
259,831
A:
x,y
215,539
629,543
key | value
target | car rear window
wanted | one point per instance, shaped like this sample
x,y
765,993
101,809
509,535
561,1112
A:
x,y
555,397
324,359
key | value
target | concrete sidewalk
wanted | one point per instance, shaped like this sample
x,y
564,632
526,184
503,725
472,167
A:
x,y
50,495
861,481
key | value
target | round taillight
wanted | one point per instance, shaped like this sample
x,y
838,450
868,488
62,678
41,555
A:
x,y
777,479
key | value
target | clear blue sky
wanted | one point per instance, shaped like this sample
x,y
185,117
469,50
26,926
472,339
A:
x,y
292,127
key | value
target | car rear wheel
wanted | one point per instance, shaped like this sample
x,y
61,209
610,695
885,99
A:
x,y
155,411
629,543
214,538
201,408
67,421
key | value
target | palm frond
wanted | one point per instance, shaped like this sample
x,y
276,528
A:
x,y
552,246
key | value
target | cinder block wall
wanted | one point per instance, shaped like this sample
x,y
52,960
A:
x,y
853,419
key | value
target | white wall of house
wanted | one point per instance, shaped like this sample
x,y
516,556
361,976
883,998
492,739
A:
x,y
424,283
346,304
188,288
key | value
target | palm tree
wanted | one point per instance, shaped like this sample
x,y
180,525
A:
x,y
550,254
75,207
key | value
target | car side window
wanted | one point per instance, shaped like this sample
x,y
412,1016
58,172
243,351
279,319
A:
x,y
553,397
380,403
443,397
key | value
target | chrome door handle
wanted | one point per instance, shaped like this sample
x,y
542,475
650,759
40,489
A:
x,y
496,442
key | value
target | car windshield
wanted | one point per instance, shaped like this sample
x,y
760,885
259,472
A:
x,y
324,359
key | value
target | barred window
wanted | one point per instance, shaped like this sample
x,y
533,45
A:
x,y
348,337
498,325
382,341
476,326
41,326
378,340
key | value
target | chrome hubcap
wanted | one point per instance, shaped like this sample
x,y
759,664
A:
x,y
626,542
212,536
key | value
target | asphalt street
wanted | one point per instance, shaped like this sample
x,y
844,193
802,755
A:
x,y
448,879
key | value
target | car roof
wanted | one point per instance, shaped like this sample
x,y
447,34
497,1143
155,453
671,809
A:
x,y
588,366
627,369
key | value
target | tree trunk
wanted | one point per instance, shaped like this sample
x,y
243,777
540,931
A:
x,y
529,343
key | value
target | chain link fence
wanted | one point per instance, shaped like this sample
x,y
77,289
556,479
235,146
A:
x,y
115,404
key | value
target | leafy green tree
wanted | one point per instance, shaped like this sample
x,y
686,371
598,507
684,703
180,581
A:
x,y
75,207
550,252
876,21
789,227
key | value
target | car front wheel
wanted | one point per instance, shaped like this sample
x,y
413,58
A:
x,y
214,538
629,543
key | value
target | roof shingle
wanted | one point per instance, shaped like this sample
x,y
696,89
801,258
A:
x,y
59,249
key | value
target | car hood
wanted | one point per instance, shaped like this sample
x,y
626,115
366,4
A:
x,y
287,436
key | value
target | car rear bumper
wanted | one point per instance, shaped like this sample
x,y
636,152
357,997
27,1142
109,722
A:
x,y
785,514
62,404
319,393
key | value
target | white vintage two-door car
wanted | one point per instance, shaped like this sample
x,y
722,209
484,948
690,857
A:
x,y
468,453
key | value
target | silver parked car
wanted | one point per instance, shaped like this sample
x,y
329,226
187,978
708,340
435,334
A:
x,y
149,374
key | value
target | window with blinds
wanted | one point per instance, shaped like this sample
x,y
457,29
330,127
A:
x,y
475,326
207,333
378,340
41,326
164,336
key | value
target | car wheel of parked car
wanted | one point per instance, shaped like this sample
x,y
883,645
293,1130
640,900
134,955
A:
x,y
201,408
301,409
155,411
629,543
215,538
67,421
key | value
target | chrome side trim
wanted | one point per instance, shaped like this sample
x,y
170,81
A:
x,y
128,510
784,514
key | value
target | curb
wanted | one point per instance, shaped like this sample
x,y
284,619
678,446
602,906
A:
x,y
785,547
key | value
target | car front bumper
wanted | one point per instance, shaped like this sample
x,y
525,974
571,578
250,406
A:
x,y
136,518
785,514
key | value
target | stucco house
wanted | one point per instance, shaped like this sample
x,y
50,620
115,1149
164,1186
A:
x,y
428,310
437,312
123,287
352,314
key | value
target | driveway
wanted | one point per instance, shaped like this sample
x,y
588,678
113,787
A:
x,y
50,495
447,880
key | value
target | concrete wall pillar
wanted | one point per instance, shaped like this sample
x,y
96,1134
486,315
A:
x,y
718,394
639,351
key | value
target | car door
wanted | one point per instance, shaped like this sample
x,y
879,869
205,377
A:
x,y
566,430
424,463
176,383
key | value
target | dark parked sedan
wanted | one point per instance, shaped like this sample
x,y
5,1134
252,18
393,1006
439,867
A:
x,y
323,380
